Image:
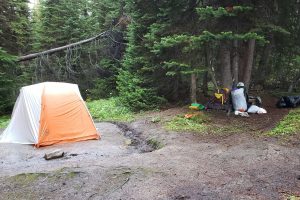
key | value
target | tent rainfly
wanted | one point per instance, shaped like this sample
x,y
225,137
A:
x,y
49,113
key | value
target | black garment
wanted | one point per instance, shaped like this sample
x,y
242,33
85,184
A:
x,y
288,102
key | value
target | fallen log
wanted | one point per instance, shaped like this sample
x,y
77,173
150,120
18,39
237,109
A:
x,y
50,51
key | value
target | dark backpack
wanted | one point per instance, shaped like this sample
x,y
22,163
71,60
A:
x,y
288,102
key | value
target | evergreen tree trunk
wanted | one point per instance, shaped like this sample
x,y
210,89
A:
x,y
235,62
193,88
225,64
205,84
249,63
205,75
175,94
263,67
242,60
294,83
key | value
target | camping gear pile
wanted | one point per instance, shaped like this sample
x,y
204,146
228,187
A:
x,y
220,100
242,104
49,113
288,102
236,100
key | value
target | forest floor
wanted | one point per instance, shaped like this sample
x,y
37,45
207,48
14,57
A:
x,y
143,160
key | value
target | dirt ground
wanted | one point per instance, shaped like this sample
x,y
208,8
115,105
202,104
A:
x,y
142,160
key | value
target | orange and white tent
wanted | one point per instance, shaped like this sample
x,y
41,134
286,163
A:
x,y
49,113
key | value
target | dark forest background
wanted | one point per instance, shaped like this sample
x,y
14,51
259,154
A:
x,y
155,51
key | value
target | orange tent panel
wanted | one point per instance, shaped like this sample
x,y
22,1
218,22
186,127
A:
x,y
64,118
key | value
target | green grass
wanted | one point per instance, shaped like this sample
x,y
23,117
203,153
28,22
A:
x,y
156,144
195,124
109,110
4,120
293,198
289,125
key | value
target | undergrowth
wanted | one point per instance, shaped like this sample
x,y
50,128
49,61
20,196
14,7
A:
x,y
194,124
4,120
289,125
109,110
156,144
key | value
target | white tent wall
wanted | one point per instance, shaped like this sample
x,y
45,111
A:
x,y
24,125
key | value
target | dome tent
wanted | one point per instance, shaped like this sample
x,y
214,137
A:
x,y
49,113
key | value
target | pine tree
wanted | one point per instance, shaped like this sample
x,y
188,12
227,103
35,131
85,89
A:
x,y
94,66
14,39
15,28
7,81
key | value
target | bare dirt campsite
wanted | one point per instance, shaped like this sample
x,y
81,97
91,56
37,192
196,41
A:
x,y
143,160
149,100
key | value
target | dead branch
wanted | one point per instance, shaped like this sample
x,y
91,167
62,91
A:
x,y
50,51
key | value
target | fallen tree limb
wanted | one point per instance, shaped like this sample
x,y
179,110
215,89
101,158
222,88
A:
x,y
50,51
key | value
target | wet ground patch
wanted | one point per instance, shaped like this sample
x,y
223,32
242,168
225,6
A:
x,y
143,145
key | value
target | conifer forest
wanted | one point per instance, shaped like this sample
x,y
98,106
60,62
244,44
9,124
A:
x,y
150,52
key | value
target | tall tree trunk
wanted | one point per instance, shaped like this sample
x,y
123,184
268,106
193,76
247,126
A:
x,y
263,67
249,63
235,62
193,88
205,75
205,84
294,83
210,69
225,64
175,94
242,60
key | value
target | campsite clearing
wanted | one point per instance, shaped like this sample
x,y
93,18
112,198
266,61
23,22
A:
x,y
123,164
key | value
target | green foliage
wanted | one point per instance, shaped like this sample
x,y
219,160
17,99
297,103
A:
x,y
14,39
103,88
210,12
195,124
155,144
133,95
165,43
7,81
66,21
93,66
152,78
293,197
264,27
4,121
14,30
192,42
109,110
289,125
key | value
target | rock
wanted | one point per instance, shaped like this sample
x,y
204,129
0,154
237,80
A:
x,y
54,154
128,142
182,197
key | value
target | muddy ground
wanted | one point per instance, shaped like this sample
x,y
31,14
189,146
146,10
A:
x,y
142,160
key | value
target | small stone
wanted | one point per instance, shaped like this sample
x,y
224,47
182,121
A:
x,y
127,142
54,154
